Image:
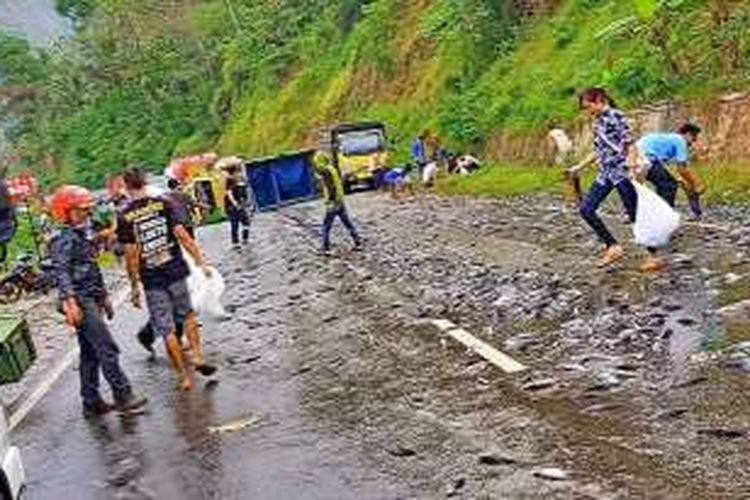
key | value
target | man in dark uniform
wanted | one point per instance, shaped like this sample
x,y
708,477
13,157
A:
x,y
84,301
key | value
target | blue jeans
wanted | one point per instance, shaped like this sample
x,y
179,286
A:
x,y
333,211
99,353
598,192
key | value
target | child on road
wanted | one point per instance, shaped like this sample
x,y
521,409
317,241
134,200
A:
x,y
85,302
611,145
333,196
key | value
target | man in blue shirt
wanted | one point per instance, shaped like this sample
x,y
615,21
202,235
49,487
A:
x,y
418,150
657,151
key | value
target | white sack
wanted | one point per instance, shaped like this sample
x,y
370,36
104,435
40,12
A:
x,y
655,220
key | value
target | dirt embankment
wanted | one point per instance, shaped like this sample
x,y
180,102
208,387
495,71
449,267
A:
x,y
725,120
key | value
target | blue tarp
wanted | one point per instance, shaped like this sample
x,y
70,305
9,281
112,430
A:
x,y
281,180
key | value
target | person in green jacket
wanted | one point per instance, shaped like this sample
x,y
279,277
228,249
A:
x,y
333,196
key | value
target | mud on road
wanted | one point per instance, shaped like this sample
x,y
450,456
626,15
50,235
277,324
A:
x,y
636,383
334,382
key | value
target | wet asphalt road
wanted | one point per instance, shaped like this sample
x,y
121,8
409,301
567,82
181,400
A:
x,y
345,392
170,452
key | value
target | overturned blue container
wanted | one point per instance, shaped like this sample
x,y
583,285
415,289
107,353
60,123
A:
x,y
282,180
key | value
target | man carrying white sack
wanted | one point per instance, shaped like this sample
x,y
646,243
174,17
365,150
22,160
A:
x,y
654,153
153,235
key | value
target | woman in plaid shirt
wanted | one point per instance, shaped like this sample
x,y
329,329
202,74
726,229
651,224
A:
x,y
611,144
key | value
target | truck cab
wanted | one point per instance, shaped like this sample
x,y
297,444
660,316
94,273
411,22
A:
x,y
359,151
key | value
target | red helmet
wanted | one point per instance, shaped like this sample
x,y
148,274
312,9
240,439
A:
x,y
66,198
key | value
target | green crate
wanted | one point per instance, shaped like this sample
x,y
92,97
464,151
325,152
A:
x,y
17,352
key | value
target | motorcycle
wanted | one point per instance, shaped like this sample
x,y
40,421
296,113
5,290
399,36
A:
x,y
25,278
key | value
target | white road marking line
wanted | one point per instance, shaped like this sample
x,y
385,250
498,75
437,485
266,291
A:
x,y
444,325
54,374
43,388
497,358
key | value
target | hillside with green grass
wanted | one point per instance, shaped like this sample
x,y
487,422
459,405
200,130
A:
x,y
144,80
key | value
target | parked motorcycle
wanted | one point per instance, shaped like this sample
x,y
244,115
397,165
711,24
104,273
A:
x,y
25,278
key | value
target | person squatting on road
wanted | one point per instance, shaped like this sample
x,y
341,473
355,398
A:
x,y
236,204
84,301
333,197
611,145
655,152
154,235
398,181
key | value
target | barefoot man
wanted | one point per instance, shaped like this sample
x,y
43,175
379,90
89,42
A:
x,y
153,235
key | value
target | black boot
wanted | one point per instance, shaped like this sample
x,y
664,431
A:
x,y
97,409
130,403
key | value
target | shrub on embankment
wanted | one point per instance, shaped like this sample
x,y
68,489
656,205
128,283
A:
x,y
143,80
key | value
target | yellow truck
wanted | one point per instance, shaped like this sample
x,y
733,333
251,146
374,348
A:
x,y
202,179
360,152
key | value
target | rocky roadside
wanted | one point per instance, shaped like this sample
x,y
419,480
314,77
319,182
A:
x,y
633,377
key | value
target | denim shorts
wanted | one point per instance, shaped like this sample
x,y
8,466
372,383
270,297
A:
x,y
167,305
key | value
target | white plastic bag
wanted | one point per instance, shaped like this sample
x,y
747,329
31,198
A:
x,y
655,220
205,292
429,173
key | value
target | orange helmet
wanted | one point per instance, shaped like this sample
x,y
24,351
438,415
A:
x,y
66,198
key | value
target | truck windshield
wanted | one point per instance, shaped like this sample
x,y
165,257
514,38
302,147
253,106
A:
x,y
361,143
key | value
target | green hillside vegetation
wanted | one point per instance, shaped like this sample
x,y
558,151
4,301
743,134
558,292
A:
x,y
144,80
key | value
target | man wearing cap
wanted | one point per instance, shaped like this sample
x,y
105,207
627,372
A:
x,y
84,301
333,196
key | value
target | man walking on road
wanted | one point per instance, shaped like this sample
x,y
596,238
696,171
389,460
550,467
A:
x,y
154,235
236,204
333,196
84,300
186,208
